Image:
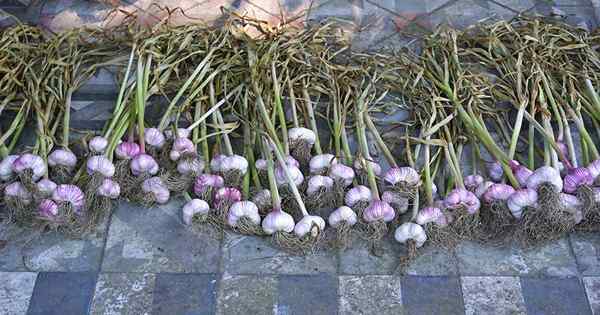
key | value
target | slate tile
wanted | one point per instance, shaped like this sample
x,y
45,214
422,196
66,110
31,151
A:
x,y
433,261
370,295
492,296
418,294
255,255
586,247
313,295
15,291
592,289
463,13
184,294
155,240
240,295
554,296
123,293
62,293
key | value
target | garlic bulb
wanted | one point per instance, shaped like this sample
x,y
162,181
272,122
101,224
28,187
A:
x,y
46,187
234,163
431,215
379,210
100,164
290,161
472,181
32,162
98,144
127,150
16,190
154,138
143,164
193,207
282,180
495,171
570,202
359,166
207,181
243,209
319,164
317,183
215,163
62,158
109,189
545,175
498,192
301,134
6,171
278,221
594,168
521,172
158,189
312,224
342,174
462,198
47,208
482,188
402,176
577,177
596,193
520,199
190,166
261,164
227,195
69,194
180,133
410,231
180,147
262,199
342,214
397,201
357,194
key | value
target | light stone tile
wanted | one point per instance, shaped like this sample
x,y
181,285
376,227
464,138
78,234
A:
x,y
492,296
15,291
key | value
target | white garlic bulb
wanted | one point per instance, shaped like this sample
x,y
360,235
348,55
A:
x,y
62,158
215,163
396,200
341,173
309,224
180,133
317,183
234,163
431,215
46,187
109,189
301,134
342,214
16,190
319,164
282,180
190,166
262,199
154,138
473,181
193,207
70,194
278,221
379,210
402,176
98,144
158,189
32,162
144,164
520,199
261,165
100,164
545,175
410,231
460,197
243,209
180,147
6,171
357,194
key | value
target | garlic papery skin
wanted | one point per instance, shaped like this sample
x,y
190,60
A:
x,y
109,189
431,215
282,180
482,188
143,164
577,177
62,158
341,215
594,169
180,147
318,183
127,150
241,209
521,172
397,201
207,181
261,164
263,199
154,138
379,210
570,202
312,224
473,181
180,133
16,190
319,164
98,144
290,161
158,189
190,166
301,134
596,192
520,199
357,194
32,162
342,174
46,187
545,175
460,197
193,207
227,195
47,209
100,164
495,171
215,163
410,231
278,221
498,192
234,163
69,194
6,171
406,176
359,166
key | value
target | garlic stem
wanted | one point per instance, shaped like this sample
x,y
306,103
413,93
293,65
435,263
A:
x,y
290,179
312,120
279,109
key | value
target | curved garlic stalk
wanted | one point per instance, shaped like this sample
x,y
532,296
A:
x,y
545,175
192,208
521,199
410,231
462,198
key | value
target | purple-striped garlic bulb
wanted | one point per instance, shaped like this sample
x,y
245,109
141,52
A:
x,y
100,164
396,200
278,221
17,191
462,198
301,135
215,163
521,199
521,172
143,164
109,189
47,209
410,231
98,144
573,205
359,166
341,215
70,194
181,146
473,181
358,194
379,211
545,175
290,161
158,189
180,133
6,171
154,138
234,163
318,183
431,215
262,199
241,209
64,158
192,208
482,188
192,166
206,183
31,162
127,150
226,196
495,171
46,187
594,169
498,192
576,178
319,164
312,224
282,180
341,173
402,177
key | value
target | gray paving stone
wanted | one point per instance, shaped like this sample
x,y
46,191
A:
x,y
60,293
586,247
322,9
184,294
433,261
553,259
155,240
432,295
463,13
254,255
492,296
554,296
313,295
123,293
15,291
28,250
370,295
246,295
592,289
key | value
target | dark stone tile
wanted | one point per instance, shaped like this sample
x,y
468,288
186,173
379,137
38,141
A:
x,y
432,295
241,295
554,296
592,288
307,295
15,291
123,293
586,247
184,294
371,295
62,293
